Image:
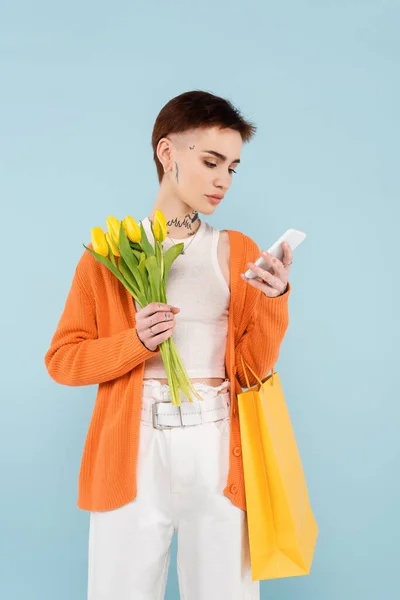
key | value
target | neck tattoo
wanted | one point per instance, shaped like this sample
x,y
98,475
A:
x,y
187,223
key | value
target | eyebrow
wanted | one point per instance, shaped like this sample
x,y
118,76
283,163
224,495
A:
x,y
221,156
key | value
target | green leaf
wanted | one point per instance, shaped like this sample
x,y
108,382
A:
x,y
147,247
127,274
113,269
154,277
144,275
111,255
171,254
135,246
130,279
129,258
163,292
160,257
104,260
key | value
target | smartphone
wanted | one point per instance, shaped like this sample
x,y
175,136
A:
x,y
293,237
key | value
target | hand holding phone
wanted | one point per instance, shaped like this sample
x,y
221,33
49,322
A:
x,y
293,237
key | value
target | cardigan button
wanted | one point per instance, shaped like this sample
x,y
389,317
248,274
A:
x,y
234,488
237,451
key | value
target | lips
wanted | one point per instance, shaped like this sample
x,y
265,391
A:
x,y
214,199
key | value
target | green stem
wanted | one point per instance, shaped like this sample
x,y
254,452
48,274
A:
x,y
176,372
167,356
183,378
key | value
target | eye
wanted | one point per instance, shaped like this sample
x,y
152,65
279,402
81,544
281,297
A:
x,y
212,165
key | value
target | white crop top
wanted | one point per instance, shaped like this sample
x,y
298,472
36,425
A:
x,y
197,286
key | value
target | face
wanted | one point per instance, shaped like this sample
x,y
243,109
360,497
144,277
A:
x,y
202,164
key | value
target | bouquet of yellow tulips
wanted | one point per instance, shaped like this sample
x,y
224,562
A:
x,y
143,270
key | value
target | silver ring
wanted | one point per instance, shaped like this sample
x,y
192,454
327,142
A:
x,y
152,333
288,264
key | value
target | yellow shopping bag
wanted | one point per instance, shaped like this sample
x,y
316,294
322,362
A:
x,y
282,528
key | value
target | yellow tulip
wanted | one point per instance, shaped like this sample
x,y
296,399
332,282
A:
x,y
132,229
113,226
160,226
114,248
99,241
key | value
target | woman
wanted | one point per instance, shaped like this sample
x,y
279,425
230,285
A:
x,y
150,468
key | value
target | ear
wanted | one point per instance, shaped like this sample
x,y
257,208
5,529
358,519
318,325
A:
x,y
164,153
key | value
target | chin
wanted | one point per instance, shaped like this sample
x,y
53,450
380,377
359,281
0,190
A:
x,y
209,208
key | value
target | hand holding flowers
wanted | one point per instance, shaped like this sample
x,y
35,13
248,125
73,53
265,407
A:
x,y
143,270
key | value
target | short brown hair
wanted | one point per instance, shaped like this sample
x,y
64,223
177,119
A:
x,y
197,109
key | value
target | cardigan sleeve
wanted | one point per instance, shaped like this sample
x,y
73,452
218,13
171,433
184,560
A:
x,y
77,356
260,343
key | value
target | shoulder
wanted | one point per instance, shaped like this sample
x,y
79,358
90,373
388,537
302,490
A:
x,y
87,262
237,240
225,241
90,272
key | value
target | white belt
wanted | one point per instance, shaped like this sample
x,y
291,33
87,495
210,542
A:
x,y
164,415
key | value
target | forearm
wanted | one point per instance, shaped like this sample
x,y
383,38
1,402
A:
x,y
78,356
73,361
260,344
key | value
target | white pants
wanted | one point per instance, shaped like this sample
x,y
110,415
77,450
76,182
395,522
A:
x,y
181,474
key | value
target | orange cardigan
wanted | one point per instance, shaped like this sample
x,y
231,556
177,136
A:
x,y
96,343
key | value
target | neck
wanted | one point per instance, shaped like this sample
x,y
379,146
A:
x,y
182,221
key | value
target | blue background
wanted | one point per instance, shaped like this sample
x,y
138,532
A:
x,y
82,84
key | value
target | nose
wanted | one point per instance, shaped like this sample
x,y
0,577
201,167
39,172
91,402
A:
x,y
223,182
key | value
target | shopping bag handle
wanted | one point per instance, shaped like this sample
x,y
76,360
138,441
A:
x,y
251,370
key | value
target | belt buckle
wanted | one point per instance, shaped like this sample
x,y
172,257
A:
x,y
154,417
